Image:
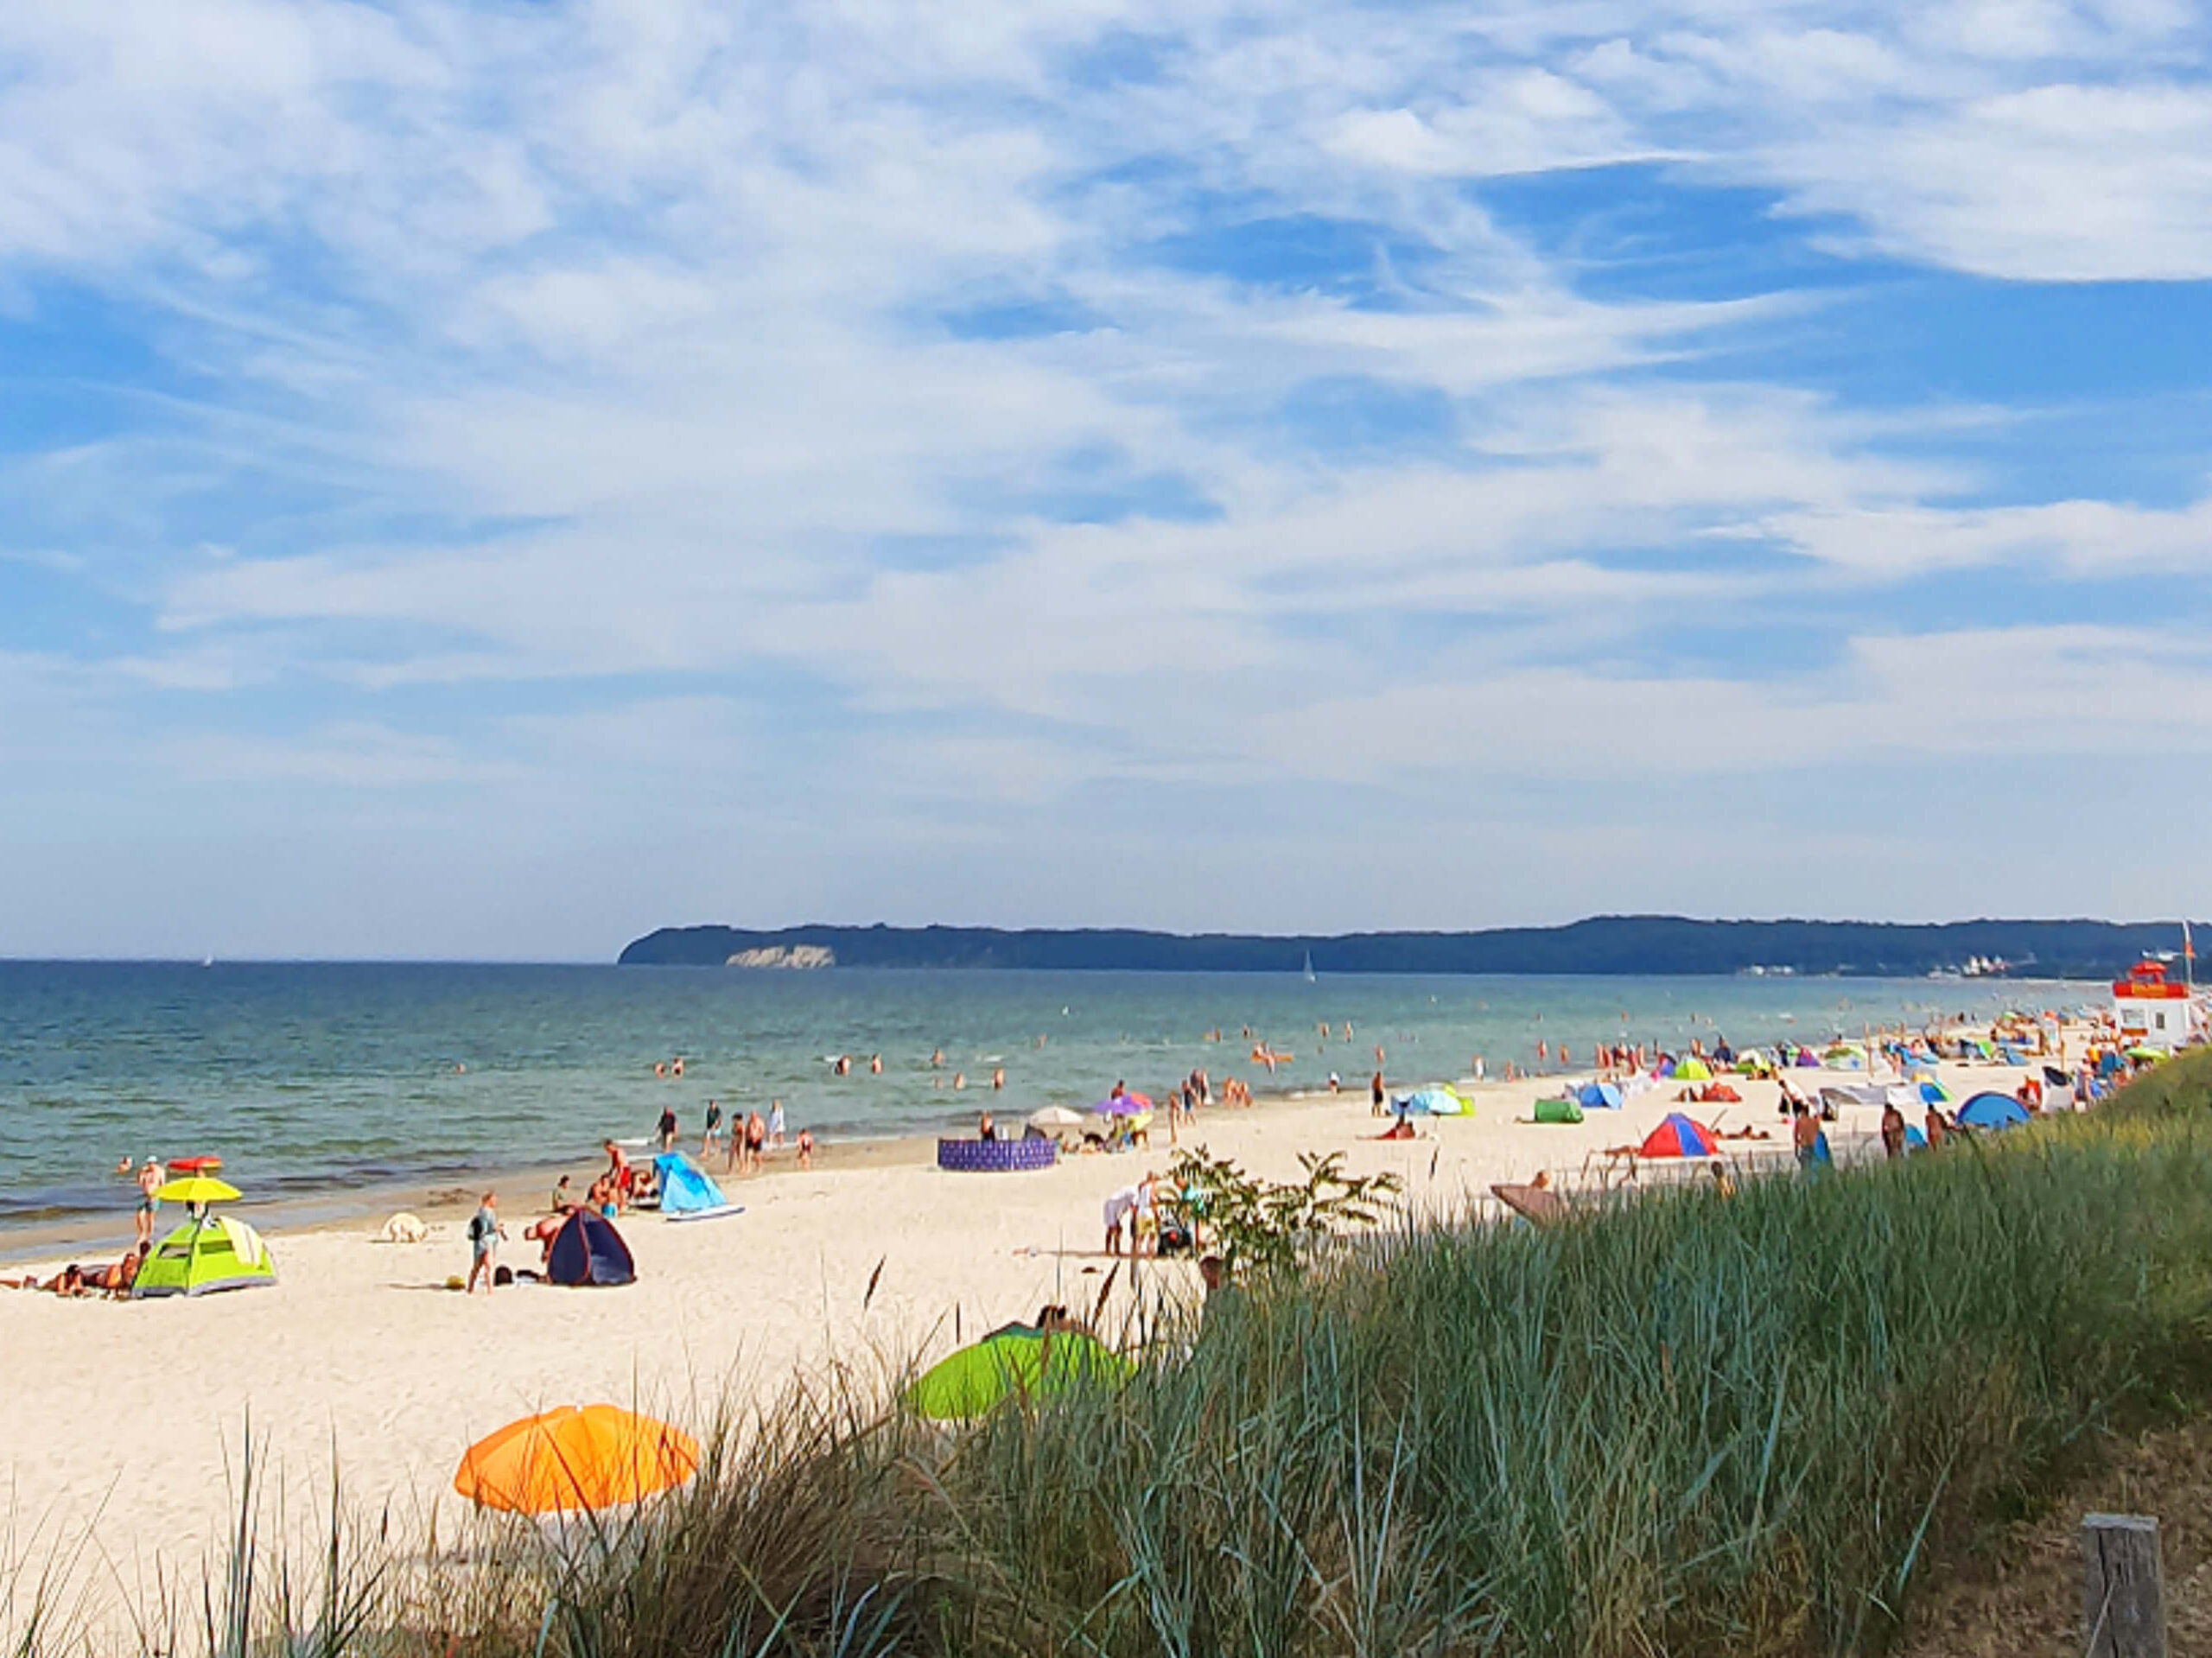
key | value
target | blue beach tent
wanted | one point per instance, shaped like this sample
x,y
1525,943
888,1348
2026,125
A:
x,y
1433,1102
1914,1140
1598,1096
588,1250
1992,1111
685,1188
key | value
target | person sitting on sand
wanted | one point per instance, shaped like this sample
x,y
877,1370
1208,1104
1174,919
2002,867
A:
x,y
117,1280
1054,1319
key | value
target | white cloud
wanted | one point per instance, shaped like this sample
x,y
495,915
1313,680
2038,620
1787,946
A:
x,y
599,389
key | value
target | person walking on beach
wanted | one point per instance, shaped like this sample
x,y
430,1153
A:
x,y
713,1127
806,1149
1804,1136
484,1234
150,1178
1117,1209
775,1124
667,1129
756,1138
1892,1130
1374,1095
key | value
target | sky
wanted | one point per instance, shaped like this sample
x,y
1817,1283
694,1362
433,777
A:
x,y
486,480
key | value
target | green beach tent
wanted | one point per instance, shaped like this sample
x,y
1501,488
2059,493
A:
x,y
204,1255
1557,1111
1693,1070
1017,1362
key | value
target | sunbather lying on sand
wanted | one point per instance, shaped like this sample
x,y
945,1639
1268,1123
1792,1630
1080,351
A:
x,y
70,1280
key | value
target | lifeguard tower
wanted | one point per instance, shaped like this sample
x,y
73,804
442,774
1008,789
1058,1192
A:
x,y
2153,1010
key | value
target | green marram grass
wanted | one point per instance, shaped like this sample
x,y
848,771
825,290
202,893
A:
x,y
1690,1424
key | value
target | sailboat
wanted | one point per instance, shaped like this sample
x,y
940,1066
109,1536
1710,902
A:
x,y
1309,967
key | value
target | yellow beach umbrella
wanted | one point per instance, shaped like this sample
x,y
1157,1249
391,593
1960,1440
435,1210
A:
x,y
196,1189
568,1459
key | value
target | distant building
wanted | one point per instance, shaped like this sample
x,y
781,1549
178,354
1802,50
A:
x,y
2153,1009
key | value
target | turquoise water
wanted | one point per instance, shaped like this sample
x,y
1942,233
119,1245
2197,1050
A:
x,y
317,1078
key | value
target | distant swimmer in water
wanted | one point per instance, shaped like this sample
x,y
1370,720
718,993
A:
x,y
960,1079
660,1067
875,1065
998,1078
937,1057
676,1066
842,1065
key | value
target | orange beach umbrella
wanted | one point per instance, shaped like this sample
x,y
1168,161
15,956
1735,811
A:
x,y
567,1459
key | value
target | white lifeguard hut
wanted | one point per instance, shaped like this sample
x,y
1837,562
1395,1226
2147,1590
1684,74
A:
x,y
2153,1010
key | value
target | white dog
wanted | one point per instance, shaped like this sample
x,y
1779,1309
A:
x,y
404,1228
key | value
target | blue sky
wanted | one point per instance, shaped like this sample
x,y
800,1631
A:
x,y
486,480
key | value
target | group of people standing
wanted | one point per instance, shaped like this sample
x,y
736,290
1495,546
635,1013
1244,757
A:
x,y
746,1137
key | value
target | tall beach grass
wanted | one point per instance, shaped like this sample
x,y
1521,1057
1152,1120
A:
x,y
1688,1423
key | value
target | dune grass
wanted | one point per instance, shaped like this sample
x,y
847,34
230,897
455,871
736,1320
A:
x,y
1688,1424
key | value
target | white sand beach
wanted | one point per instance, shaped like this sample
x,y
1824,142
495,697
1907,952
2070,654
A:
x,y
124,1417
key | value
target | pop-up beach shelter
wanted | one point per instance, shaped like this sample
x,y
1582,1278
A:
x,y
1992,1111
1018,1361
203,1255
1557,1111
1434,1102
687,1189
1934,1094
1693,1070
588,1250
1679,1136
1598,1096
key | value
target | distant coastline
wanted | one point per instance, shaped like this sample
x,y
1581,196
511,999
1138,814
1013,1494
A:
x,y
2077,948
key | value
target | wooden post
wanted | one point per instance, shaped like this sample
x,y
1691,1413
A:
x,y
2123,1602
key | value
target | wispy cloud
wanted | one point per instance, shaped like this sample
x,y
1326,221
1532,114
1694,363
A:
x,y
979,411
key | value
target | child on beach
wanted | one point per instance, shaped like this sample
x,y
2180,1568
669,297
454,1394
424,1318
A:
x,y
806,1149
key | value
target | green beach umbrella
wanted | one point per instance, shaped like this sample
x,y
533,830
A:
x,y
1017,1362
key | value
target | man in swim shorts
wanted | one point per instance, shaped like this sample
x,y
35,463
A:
x,y
150,1178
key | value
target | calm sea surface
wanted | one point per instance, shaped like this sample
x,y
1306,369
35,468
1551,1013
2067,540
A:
x,y
312,1079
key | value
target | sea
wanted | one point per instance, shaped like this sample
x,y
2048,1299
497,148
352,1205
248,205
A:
x,y
326,1082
